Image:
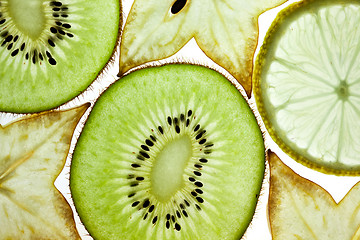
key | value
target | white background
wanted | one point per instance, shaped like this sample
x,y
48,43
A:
x,y
258,230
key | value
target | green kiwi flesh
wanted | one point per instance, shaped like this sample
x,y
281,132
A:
x,y
169,152
51,50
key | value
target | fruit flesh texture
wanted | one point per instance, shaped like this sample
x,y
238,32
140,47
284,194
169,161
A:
x,y
120,121
306,82
84,49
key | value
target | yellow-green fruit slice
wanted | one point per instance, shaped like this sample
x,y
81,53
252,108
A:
x,y
226,31
170,152
307,84
52,50
300,209
33,152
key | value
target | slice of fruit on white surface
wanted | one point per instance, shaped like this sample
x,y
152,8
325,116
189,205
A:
x,y
170,152
301,209
33,151
307,84
227,32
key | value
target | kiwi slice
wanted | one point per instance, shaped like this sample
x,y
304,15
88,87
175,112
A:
x,y
168,152
51,50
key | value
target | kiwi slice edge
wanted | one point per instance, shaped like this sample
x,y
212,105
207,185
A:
x,y
112,179
46,65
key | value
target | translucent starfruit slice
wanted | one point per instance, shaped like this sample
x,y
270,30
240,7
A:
x,y
33,151
300,209
226,31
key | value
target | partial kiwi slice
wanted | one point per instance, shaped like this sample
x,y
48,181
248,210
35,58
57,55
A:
x,y
51,50
169,152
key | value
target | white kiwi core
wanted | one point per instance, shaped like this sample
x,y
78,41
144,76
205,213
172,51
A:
x,y
29,16
168,170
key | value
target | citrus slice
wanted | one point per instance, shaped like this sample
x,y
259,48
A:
x,y
307,84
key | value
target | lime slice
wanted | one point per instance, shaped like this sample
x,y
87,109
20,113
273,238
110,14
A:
x,y
307,84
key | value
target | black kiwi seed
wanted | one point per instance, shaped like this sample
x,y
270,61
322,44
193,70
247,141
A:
x,y
66,25
134,204
199,199
185,213
198,166
203,160
16,38
177,227
64,15
167,224
131,195
41,56
197,128
197,173
197,207
168,216
56,9
209,145
52,61
200,135
146,148
177,129
2,21
182,206
169,120
53,30
134,165
178,214
189,113
9,46
58,23
194,193
15,52
154,220
51,42
56,15
176,121
27,56
146,203
199,191
146,214
22,47
151,208
187,203
153,138
134,184
61,32
173,218
191,179
140,178
9,38
202,141
144,154
149,142
161,130
182,117
198,184
187,122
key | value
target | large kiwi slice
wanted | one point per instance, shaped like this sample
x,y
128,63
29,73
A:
x,y
51,50
170,152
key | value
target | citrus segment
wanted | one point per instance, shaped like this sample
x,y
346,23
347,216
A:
x,y
307,82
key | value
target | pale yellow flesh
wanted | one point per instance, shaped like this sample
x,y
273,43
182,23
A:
x,y
300,209
226,31
32,154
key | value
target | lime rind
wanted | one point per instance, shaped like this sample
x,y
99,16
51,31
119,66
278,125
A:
x,y
306,84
